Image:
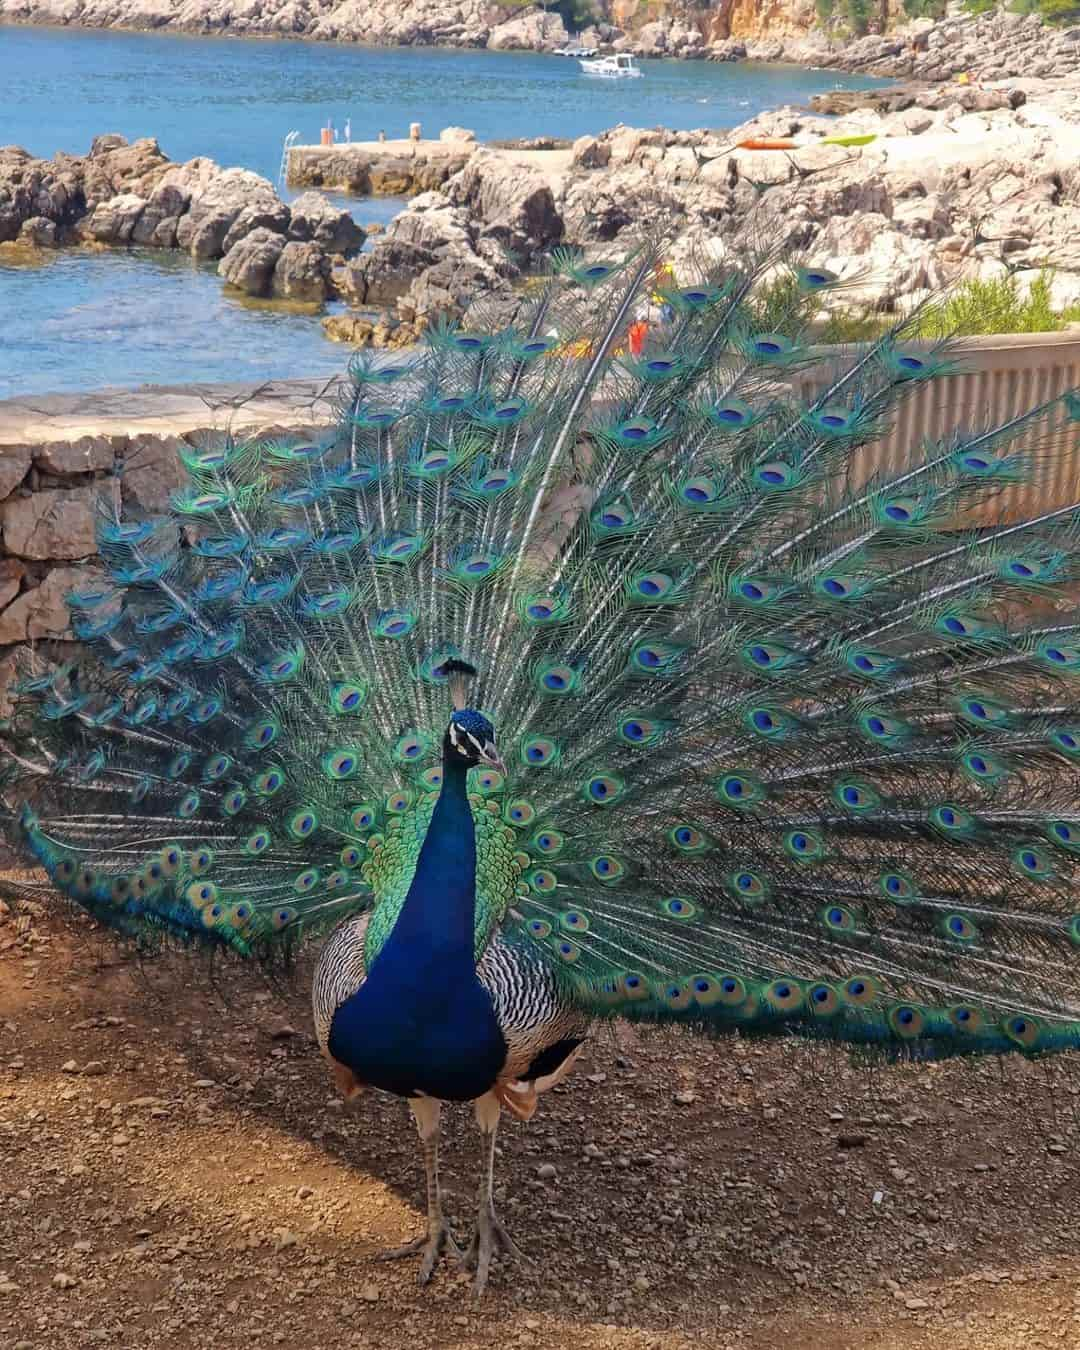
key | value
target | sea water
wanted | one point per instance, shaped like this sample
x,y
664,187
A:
x,y
80,319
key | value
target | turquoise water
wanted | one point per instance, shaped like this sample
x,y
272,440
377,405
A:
x,y
81,318
86,319
236,100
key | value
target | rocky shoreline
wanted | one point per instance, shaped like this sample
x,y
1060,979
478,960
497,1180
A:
x,y
989,47
954,182
123,194
996,45
958,182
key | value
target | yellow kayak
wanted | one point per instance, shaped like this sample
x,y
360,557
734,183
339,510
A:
x,y
864,139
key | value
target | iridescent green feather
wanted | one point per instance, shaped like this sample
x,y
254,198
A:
x,y
791,724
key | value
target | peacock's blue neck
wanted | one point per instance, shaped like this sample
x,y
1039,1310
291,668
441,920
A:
x,y
422,1022
440,909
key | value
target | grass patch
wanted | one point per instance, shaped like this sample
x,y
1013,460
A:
x,y
974,308
979,308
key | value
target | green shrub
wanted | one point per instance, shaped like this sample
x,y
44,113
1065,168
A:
x,y
852,326
781,307
576,14
1058,11
858,15
996,306
974,308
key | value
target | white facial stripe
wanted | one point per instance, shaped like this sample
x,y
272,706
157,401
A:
x,y
454,736
479,747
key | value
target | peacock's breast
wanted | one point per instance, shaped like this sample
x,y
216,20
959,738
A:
x,y
412,1030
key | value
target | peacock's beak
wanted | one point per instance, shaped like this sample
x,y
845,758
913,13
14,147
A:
x,y
491,757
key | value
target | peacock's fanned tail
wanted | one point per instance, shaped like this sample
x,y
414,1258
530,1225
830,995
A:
x,y
791,744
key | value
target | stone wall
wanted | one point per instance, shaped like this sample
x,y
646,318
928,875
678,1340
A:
x,y
62,457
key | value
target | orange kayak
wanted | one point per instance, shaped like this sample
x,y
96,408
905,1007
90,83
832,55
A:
x,y
756,143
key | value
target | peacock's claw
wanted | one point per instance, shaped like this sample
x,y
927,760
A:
x,y
489,1239
437,1240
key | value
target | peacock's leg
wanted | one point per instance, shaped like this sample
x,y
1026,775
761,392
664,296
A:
x,y
490,1236
426,1111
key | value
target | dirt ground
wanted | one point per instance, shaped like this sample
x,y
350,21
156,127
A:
x,y
175,1172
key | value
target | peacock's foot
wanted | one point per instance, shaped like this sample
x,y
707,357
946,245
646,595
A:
x,y
439,1239
490,1239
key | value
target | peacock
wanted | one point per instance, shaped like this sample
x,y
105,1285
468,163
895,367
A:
x,y
557,682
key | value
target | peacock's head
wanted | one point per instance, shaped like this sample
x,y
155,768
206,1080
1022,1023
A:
x,y
470,739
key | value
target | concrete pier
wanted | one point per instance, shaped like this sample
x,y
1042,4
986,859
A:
x,y
402,168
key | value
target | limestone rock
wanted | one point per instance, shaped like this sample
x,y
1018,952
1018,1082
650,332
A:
x,y
667,37
14,466
513,203
86,455
458,135
451,23
113,221
68,188
414,240
260,215
249,264
11,574
991,47
116,168
313,219
591,153
38,231
534,32
161,215
152,471
58,523
728,49
354,329
43,612
209,220
433,259
35,188
300,273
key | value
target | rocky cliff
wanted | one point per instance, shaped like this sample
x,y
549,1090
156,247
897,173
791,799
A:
x,y
680,28
672,28
460,23
990,46
453,23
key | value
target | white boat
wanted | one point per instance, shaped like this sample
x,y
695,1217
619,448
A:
x,y
618,67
